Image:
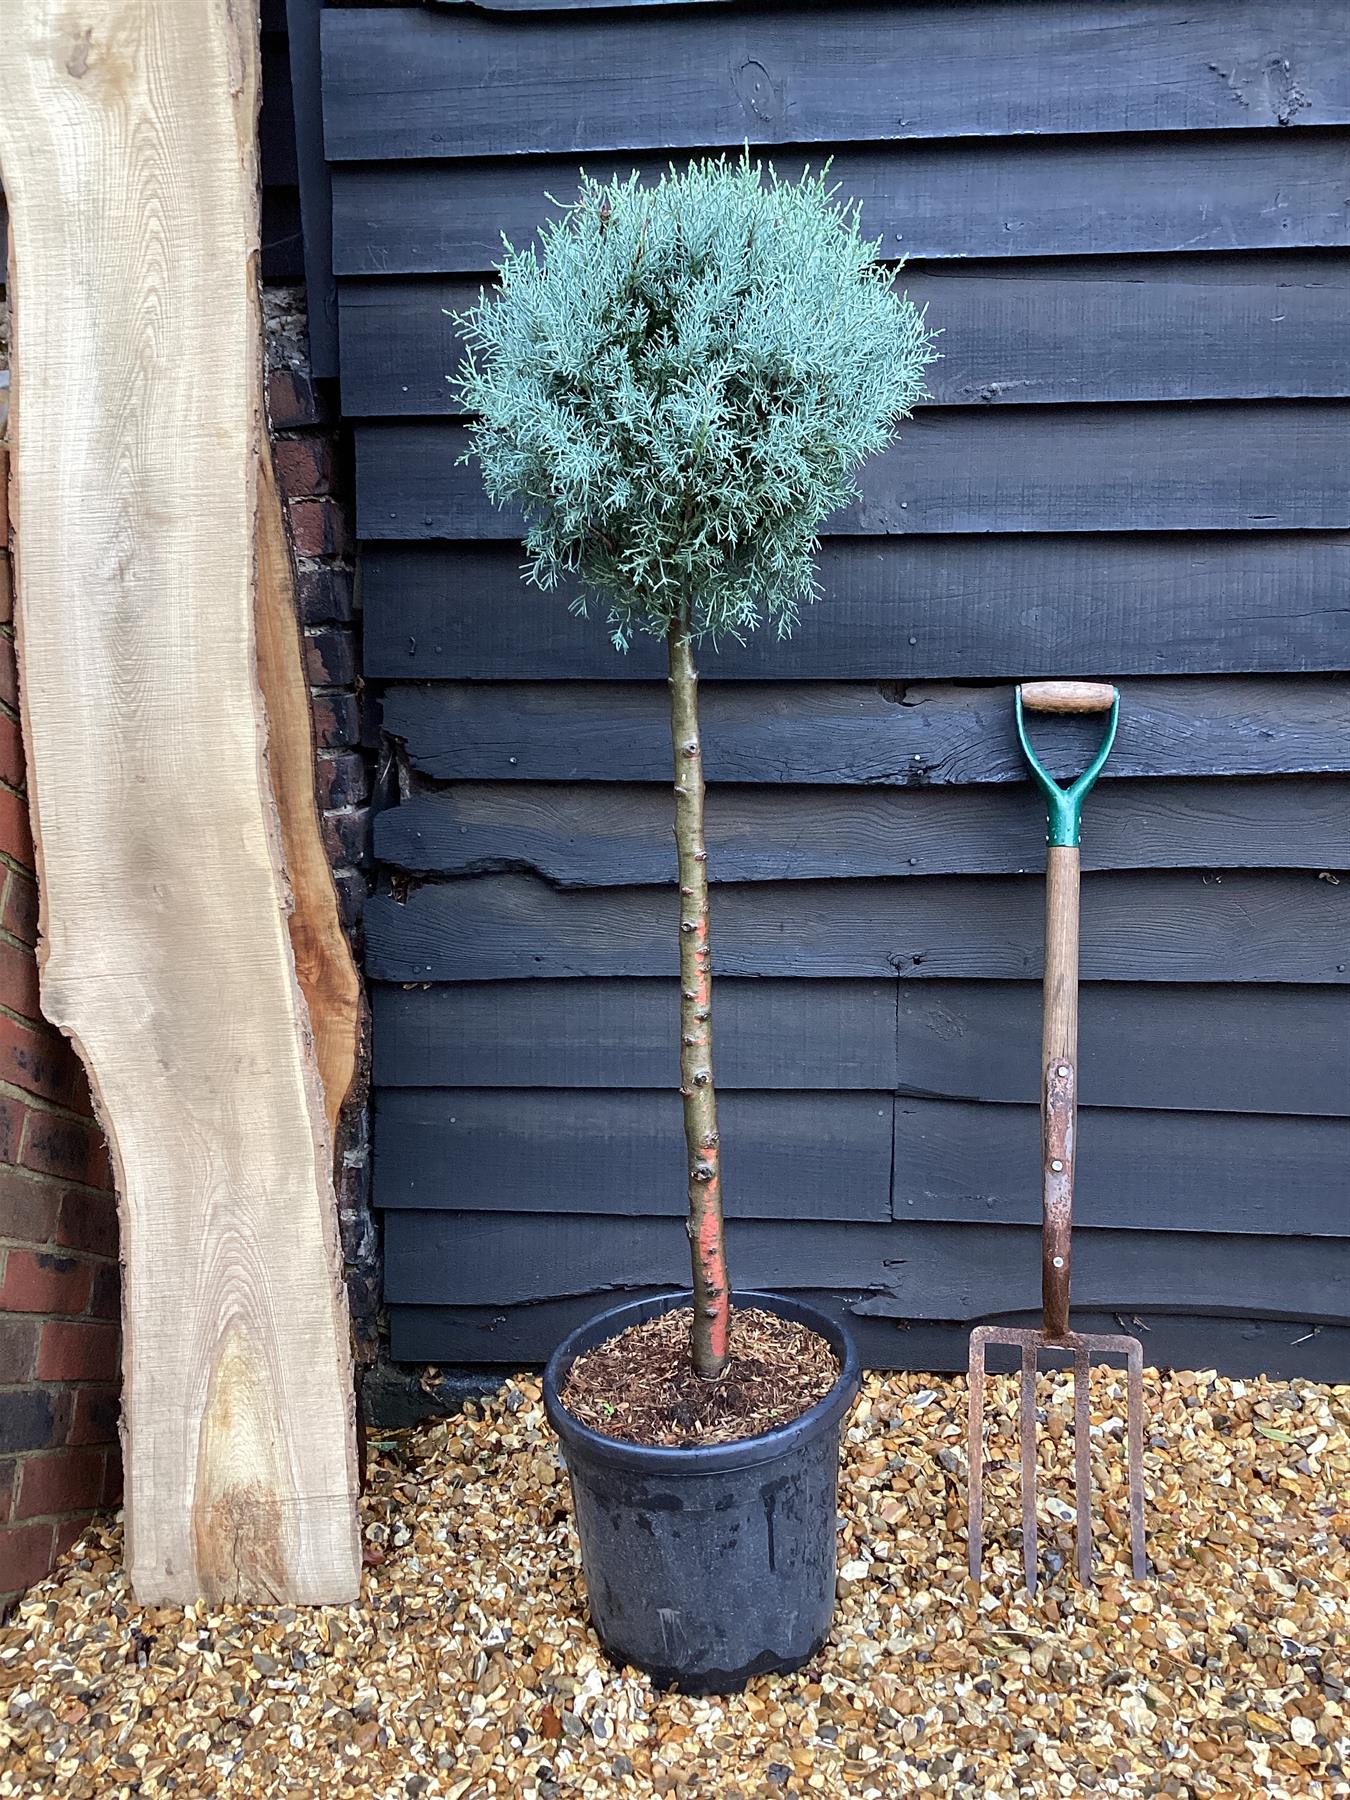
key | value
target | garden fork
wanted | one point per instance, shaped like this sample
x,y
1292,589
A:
x,y
1059,1113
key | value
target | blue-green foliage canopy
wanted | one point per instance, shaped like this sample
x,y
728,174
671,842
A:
x,y
678,387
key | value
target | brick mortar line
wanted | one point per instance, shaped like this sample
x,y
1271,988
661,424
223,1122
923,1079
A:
x,y
82,1188
48,1247
36,1103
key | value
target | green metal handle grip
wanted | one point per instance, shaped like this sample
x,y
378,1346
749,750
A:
x,y
1064,805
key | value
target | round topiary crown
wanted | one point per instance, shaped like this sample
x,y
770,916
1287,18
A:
x,y
678,386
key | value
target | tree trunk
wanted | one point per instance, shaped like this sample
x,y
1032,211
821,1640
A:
x,y
712,1292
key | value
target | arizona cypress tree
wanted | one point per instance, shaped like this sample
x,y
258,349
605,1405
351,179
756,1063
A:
x,y
676,389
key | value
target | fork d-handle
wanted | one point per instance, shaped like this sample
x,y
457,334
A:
x,y
1059,1017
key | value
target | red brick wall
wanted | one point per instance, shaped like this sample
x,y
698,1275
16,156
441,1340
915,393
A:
x,y
58,1223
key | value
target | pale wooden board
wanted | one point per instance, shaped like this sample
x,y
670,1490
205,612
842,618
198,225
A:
x,y
323,958
127,139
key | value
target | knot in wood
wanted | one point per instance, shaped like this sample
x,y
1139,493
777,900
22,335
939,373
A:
x,y
689,1039
710,1140
700,856
703,1172
687,892
702,1077
688,925
703,1015
690,748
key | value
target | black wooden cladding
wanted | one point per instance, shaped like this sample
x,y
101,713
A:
x,y
858,1156
618,1034
909,609
1065,197
788,1155
884,734
1203,328
906,1270
1172,926
1205,467
1130,467
617,834
508,1337
482,86
1225,1048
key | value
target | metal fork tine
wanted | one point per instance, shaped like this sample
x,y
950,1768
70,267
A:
x,y
1135,1429
1028,1435
975,1459
1082,1460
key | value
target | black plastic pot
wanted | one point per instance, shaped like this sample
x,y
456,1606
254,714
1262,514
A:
x,y
709,1564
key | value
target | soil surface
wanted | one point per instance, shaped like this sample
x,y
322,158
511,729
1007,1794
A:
x,y
640,1386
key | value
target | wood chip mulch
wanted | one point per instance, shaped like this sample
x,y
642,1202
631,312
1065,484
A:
x,y
641,1385
466,1669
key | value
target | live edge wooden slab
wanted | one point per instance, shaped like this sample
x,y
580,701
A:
x,y
127,147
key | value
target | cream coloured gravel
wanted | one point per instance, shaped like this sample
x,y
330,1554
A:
x,y
467,1669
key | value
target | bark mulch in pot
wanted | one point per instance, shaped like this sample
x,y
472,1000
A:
x,y
466,1670
640,1385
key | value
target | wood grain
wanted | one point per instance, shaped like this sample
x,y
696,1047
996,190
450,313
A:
x,y
473,86
877,733
1249,926
130,166
616,834
323,959
1102,329
1260,467
1060,197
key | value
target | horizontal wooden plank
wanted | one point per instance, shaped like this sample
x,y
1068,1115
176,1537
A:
x,y
523,1335
787,1155
803,1155
1184,328
1062,197
408,83
1135,1171
918,1271
1136,927
1232,1048
1208,467
1239,1048
618,834
877,733
619,1034
1006,607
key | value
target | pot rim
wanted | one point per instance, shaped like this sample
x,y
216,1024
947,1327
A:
x,y
699,1459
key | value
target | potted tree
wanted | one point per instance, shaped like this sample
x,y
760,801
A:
x,y
676,388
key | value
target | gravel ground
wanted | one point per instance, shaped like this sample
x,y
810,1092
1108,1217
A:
x,y
466,1669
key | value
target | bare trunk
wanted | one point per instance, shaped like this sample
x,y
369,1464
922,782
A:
x,y
712,1293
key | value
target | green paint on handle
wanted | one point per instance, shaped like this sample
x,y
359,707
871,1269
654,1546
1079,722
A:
x,y
1064,805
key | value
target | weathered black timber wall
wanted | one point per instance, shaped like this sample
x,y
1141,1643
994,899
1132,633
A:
x,y
1130,221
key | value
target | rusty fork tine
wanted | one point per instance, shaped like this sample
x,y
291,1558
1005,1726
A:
x,y
975,1459
1134,1425
1082,1460
1027,1430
